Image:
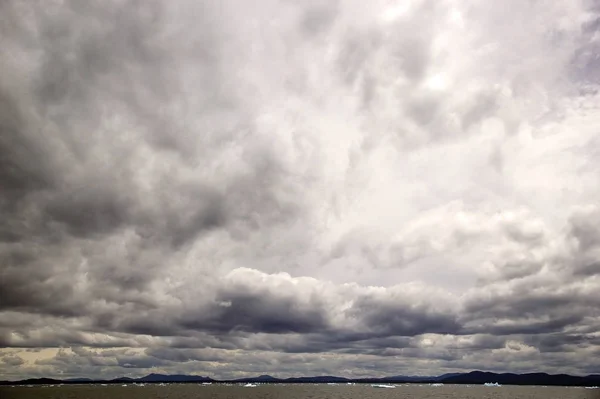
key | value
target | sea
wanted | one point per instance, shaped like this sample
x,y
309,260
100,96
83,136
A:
x,y
294,391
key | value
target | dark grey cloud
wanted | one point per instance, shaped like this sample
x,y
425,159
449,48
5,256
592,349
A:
x,y
584,229
557,342
185,355
316,19
391,317
525,311
254,312
12,360
135,362
73,166
32,284
248,304
354,54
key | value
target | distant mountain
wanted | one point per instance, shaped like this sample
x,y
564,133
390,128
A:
x,y
265,377
260,378
481,377
173,378
317,379
406,378
447,375
33,381
296,380
122,379
473,377
417,378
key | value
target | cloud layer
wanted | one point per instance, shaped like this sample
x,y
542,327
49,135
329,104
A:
x,y
293,188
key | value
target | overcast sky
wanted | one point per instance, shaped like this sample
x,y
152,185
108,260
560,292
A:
x,y
299,187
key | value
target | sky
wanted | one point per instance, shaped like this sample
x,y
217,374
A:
x,y
285,187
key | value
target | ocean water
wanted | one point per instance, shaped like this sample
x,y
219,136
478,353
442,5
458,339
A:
x,y
294,391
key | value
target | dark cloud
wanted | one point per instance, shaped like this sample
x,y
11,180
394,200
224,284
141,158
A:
x,y
316,19
137,362
354,54
559,343
402,318
22,158
584,228
12,360
185,355
254,312
32,284
528,310
73,166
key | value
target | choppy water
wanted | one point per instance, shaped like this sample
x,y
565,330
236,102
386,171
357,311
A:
x,y
192,391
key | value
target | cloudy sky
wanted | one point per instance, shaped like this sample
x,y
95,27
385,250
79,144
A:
x,y
299,187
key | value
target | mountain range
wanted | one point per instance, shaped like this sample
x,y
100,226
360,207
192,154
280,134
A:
x,y
473,377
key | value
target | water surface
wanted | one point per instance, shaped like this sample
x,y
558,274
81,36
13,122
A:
x,y
294,391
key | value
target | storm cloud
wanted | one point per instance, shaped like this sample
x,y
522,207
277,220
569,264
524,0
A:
x,y
298,188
